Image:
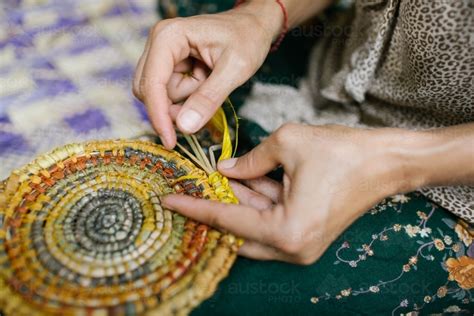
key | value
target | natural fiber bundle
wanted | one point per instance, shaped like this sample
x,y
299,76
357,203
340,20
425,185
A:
x,y
82,232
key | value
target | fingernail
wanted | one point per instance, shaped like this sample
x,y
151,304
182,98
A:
x,y
227,164
190,120
164,141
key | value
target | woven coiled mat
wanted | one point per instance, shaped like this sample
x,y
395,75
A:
x,y
82,232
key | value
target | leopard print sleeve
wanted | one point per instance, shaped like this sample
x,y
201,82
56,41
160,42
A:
x,y
407,64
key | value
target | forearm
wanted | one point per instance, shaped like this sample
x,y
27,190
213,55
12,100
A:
x,y
272,17
301,10
443,156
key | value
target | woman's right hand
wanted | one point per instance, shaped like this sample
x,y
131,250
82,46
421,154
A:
x,y
200,60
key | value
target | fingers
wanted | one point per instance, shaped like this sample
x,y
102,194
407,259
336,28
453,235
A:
x,y
266,186
160,81
256,163
250,198
158,111
157,70
174,111
239,220
187,76
162,126
232,218
139,71
255,250
203,103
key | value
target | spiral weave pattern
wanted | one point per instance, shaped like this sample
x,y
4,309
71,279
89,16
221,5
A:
x,y
82,232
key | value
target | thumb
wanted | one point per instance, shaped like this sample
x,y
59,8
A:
x,y
203,103
256,163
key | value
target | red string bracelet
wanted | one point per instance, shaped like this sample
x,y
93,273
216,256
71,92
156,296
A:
x,y
280,38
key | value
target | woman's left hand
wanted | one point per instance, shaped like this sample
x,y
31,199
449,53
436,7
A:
x,y
332,174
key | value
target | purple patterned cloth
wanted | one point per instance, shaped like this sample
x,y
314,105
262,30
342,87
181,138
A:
x,y
66,69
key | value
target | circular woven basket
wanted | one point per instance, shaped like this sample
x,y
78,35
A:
x,y
82,232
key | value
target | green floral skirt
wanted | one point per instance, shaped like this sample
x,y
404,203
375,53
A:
x,y
406,255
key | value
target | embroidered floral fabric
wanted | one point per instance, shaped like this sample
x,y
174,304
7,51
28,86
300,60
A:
x,y
405,255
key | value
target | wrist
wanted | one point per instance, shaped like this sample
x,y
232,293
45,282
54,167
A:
x,y
419,159
397,162
267,14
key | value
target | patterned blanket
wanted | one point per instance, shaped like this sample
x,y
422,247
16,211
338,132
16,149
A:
x,y
65,73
